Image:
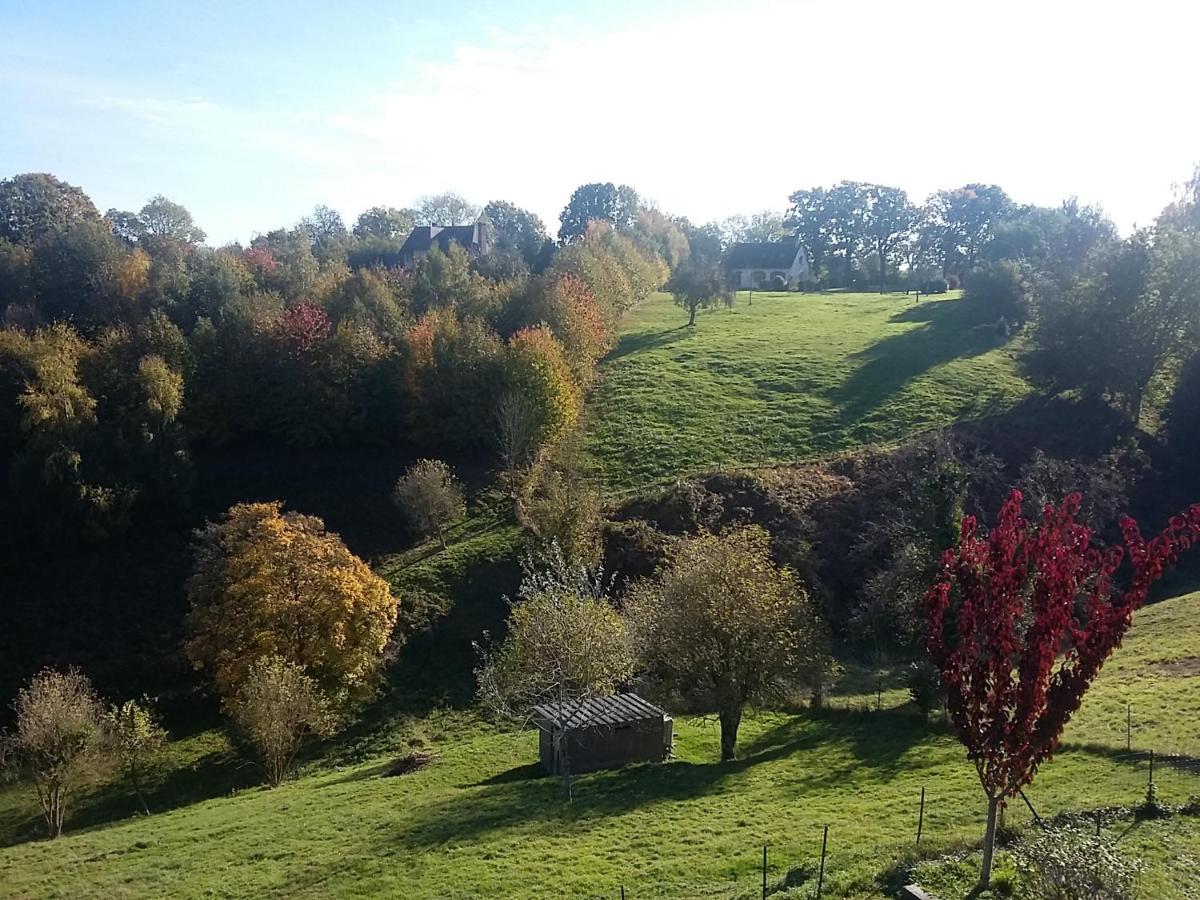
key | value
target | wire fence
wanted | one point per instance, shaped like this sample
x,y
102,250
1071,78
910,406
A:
x,y
1112,786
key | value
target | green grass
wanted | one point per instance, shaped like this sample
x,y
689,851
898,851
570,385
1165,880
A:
x,y
791,376
482,822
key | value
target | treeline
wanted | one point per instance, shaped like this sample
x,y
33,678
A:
x,y
126,341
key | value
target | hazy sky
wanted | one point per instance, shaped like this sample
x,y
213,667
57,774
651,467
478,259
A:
x,y
251,113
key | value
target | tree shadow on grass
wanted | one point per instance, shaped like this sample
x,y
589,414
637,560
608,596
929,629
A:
x,y
647,340
951,329
525,797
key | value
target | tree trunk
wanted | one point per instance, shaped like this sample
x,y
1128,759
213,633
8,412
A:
x,y
882,270
564,761
730,719
989,844
691,315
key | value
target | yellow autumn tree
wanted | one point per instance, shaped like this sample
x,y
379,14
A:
x,y
272,584
536,368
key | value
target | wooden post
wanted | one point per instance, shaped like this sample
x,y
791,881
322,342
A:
x,y
622,892
1128,727
764,872
921,817
821,873
1151,770
878,692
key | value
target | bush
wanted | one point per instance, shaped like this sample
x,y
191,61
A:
x,y
59,739
952,282
1000,288
278,707
924,686
777,283
1182,414
137,742
1071,863
935,286
430,497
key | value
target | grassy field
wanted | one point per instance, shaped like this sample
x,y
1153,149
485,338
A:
x,y
482,822
791,376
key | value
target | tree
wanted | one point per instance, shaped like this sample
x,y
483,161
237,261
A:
x,y
1019,623
330,240
430,497
1002,288
565,645
58,742
269,583
964,220
515,230
725,626
1109,332
38,204
811,217
278,707
137,741
385,223
165,218
536,366
888,220
698,283
446,209
598,201
75,274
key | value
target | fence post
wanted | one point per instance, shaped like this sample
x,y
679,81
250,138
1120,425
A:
x,y
764,872
1128,727
622,892
921,817
821,874
1150,783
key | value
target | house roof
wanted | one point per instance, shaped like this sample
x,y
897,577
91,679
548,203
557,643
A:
x,y
768,255
619,709
424,237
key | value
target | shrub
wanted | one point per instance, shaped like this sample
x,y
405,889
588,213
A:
x,y
1000,288
59,739
137,740
778,283
935,286
278,707
430,497
1070,863
924,686
952,282
1182,414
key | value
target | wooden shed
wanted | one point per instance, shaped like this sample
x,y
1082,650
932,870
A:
x,y
603,733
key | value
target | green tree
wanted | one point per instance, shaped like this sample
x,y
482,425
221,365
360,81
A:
x,y
385,223
74,274
598,201
430,497
278,707
446,209
725,626
698,284
137,741
163,218
964,220
515,230
37,204
888,219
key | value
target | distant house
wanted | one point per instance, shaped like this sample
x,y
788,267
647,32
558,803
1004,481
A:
x,y
472,238
756,266
603,733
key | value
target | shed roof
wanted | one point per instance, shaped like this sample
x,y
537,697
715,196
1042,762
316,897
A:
x,y
619,709
767,255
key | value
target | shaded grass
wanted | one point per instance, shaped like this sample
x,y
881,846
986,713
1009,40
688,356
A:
x,y
482,821
792,376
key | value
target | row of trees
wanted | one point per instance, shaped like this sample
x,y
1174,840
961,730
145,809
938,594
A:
x,y
128,342
857,232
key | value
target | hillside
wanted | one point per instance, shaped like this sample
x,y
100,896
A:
x,y
789,376
482,821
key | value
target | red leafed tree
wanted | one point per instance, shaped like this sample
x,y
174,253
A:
x,y
1020,622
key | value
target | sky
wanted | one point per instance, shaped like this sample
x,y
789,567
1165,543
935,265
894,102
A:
x,y
250,114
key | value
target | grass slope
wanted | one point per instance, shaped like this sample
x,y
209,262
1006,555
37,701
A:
x,y
791,376
482,822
